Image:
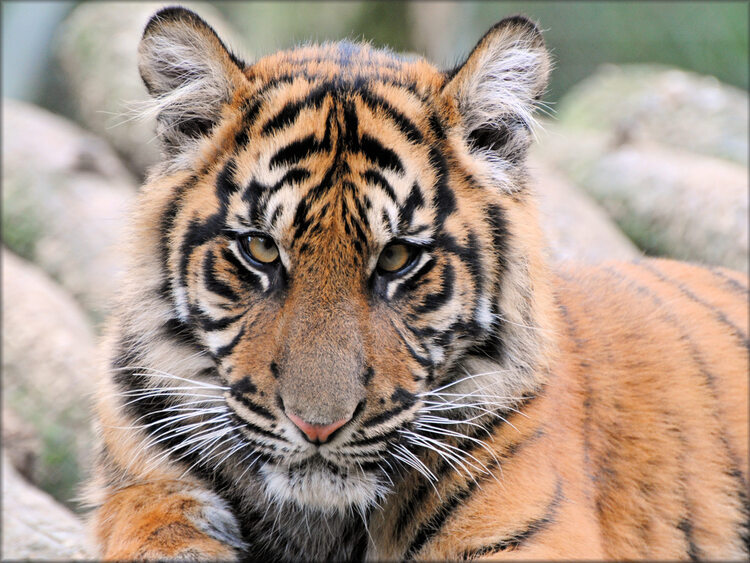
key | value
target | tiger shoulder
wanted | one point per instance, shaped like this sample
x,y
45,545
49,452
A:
x,y
339,338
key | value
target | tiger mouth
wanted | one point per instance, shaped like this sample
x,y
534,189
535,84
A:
x,y
316,462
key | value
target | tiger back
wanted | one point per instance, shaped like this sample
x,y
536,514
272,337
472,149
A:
x,y
339,337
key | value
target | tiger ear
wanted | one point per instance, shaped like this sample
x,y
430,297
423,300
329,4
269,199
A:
x,y
496,90
189,73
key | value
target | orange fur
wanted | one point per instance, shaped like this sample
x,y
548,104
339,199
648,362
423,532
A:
x,y
636,424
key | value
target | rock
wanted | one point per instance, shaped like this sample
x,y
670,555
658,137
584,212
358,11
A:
x,y
670,202
20,442
35,527
97,50
576,227
65,197
668,106
49,362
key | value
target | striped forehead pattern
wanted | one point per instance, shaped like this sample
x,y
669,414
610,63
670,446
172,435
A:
x,y
349,148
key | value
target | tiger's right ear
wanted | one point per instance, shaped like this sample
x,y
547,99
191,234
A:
x,y
190,74
496,90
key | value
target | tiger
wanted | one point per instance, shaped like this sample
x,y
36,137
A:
x,y
340,338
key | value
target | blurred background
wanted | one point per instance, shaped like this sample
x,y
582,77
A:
x,y
642,149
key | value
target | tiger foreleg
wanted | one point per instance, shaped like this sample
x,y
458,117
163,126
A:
x,y
166,520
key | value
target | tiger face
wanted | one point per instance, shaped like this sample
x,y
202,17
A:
x,y
333,235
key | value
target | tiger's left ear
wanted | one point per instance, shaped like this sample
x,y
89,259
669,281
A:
x,y
190,75
496,90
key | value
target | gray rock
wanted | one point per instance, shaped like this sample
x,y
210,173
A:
x,y
48,362
669,106
97,50
575,226
35,527
670,202
20,442
65,198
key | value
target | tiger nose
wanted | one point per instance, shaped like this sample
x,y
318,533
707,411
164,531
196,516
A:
x,y
317,432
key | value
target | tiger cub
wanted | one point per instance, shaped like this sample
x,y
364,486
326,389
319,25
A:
x,y
339,338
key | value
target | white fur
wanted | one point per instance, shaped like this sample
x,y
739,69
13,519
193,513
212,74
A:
x,y
317,488
508,76
189,79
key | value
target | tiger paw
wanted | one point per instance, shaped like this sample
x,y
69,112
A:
x,y
167,521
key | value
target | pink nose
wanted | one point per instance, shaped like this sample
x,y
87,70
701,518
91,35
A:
x,y
316,432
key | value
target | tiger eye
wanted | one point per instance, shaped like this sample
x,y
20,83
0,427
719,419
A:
x,y
262,249
394,257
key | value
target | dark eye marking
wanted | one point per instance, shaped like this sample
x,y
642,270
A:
x,y
214,284
251,279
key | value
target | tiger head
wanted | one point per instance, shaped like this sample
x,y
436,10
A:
x,y
347,238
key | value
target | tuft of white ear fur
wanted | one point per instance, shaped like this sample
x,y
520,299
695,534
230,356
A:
x,y
496,91
190,75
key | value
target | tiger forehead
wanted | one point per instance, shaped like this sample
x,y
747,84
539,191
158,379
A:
x,y
345,61
328,159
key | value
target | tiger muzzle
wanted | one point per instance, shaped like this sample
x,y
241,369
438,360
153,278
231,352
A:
x,y
320,375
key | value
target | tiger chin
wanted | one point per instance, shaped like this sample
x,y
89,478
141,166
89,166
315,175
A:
x,y
339,339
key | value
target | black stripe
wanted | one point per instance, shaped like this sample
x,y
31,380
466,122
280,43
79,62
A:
x,y
405,125
424,362
251,279
210,323
166,223
532,528
686,527
250,111
443,198
291,110
350,134
433,301
468,254
387,415
428,530
214,284
733,284
500,235
227,349
180,332
380,155
252,406
293,175
738,333
372,176
275,215
413,202
198,232
244,385
257,430
416,280
385,438
586,405
695,354
226,185
442,467
295,151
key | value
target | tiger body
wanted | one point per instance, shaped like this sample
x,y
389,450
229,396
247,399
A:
x,y
339,337
625,453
